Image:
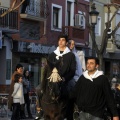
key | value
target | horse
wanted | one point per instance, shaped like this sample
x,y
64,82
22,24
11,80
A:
x,y
52,102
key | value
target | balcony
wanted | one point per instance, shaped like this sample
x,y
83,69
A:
x,y
74,33
9,23
36,10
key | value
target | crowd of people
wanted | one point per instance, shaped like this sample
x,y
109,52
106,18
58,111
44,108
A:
x,y
19,94
90,90
91,93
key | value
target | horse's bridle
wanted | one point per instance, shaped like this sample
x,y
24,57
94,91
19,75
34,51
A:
x,y
48,103
55,99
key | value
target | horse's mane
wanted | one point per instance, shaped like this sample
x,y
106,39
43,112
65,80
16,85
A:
x,y
46,73
52,104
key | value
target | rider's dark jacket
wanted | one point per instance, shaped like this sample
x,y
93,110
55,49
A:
x,y
65,63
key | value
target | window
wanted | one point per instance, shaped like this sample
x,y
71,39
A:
x,y
98,27
56,18
69,16
68,13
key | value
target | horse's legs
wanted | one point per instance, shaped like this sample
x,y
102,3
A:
x,y
47,117
60,117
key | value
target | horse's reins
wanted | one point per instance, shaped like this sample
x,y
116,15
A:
x,y
56,99
48,103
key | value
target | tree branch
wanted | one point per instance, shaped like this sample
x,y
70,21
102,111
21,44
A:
x,y
117,8
116,28
105,33
104,41
19,5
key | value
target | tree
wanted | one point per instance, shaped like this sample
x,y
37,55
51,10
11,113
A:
x,y
101,50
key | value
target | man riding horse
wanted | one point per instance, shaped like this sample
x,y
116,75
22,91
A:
x,y
66,69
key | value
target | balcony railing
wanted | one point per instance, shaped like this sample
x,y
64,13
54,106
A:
x,y
9,23
36,10
75,33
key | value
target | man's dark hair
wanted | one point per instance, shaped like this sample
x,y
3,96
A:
x,y
18,66
63,36
96,59
17,77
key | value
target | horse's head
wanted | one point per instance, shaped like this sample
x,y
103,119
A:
x,y
52,104
53,80
54,90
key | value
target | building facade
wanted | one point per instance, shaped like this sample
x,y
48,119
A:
x,y
39,22
8,26
112,54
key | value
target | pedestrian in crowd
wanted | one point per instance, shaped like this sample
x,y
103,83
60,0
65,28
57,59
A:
x,y
81,56
26,89
18,97
113,82
93,94
78,71
18,70
66,69
117,96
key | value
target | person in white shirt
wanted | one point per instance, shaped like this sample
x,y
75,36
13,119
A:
x,y
18,97
78,71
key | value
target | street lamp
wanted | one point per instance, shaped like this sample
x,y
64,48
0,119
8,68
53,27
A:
x,y
94,16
